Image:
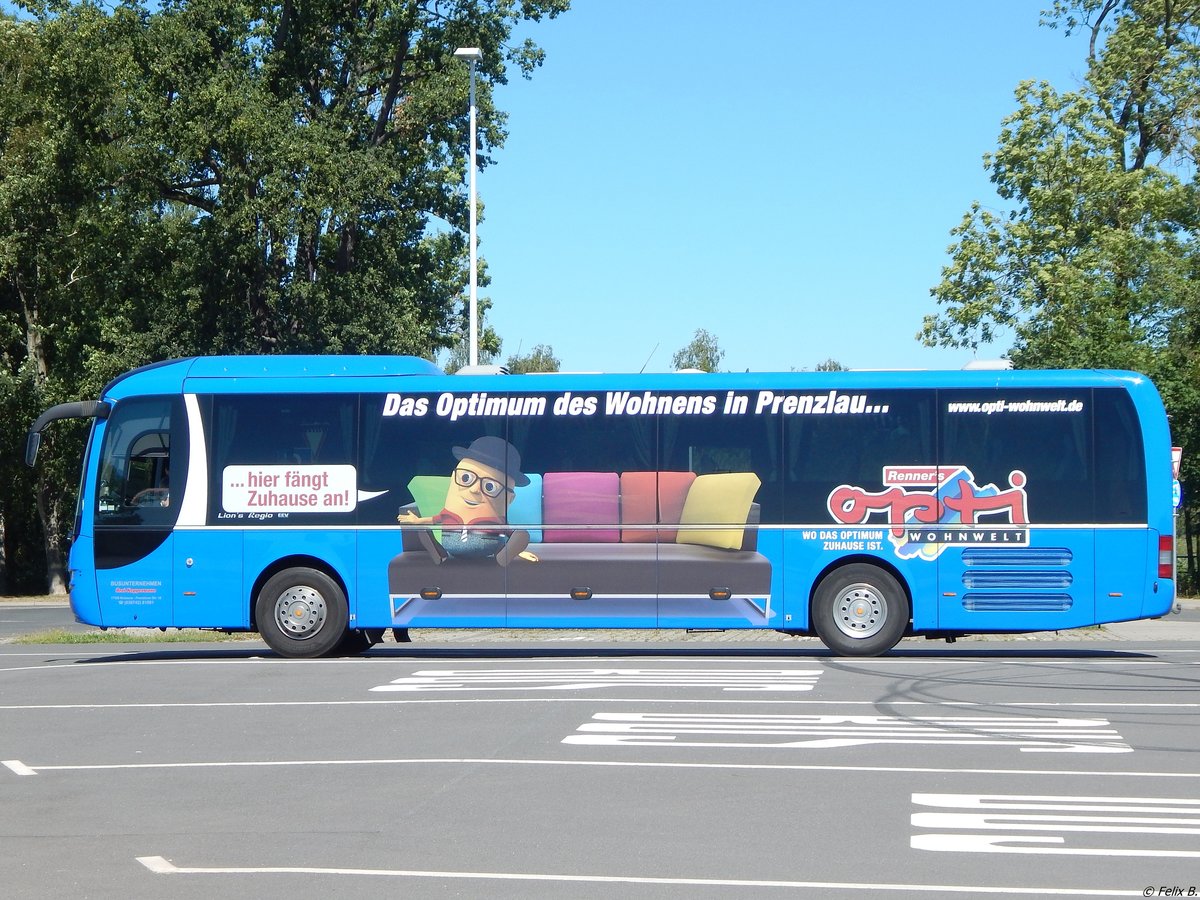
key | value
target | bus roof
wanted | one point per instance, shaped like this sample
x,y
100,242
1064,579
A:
x,y
168,377
265,374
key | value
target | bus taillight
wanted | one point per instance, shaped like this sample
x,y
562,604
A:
x,y
1166,556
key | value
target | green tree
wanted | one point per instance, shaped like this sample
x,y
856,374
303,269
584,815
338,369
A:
x,y
460,354
1095,261
204,176
830,365
70,247
319,150
540,359
702,352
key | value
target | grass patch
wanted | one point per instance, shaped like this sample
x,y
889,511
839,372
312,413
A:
x,y
131,636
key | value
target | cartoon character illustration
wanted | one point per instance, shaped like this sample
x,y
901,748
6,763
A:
x,y
481,488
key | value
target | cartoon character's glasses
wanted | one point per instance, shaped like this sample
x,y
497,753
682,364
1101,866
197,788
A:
x,y
490,486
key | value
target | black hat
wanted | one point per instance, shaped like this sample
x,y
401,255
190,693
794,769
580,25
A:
x,y
497,453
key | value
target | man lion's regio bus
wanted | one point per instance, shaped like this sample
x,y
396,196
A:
x,y
322,500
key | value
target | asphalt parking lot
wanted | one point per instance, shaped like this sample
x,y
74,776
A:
x,y
682,766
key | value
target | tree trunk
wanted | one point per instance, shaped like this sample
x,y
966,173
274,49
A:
x,y
1192,580
4,588
56,558
48,514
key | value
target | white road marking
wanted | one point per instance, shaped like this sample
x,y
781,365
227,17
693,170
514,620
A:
x,y
820,732
15,765
1060,825
586,763
874,704
85,661
451,701
552,679
160,866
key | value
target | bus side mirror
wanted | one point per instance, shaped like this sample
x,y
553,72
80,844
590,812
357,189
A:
x,y
78,409
31,447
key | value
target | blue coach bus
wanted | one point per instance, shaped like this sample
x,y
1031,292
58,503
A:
x,y
321,500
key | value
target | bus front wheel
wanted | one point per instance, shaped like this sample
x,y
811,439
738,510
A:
x,y
301,613
860,610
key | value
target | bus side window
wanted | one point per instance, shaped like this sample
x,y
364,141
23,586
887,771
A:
x,y
1120,483
154,473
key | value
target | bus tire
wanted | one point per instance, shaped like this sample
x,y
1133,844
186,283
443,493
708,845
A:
x,y
860,610
302,613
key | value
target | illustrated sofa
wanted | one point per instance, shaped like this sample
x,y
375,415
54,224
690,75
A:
x,y
668,548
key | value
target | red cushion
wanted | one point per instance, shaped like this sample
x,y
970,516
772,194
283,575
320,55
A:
x,y
648,498
639,506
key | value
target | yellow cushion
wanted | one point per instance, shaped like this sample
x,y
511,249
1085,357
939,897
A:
x,y
722,499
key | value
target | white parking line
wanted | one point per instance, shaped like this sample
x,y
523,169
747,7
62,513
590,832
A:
x,y
160,866
874,704
831,664
448,700
19,767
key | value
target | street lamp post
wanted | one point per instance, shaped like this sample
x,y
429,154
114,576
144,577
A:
x,y
473,55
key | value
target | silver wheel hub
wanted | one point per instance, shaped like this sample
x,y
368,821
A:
x,y
861,611
300,611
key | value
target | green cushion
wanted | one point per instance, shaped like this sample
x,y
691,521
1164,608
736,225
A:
x,y
430,493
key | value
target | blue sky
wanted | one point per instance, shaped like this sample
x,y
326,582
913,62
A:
x,y
782,173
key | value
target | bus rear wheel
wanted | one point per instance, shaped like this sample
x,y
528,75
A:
x,y
860,610
301,613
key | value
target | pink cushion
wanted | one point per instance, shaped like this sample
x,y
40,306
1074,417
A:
x,y
580,498
653,497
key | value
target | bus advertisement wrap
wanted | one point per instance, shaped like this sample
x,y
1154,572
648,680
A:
x,y
319,500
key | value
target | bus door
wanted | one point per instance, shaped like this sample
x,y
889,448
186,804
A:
x,y
719,506
135,511
208,578
1126,549
569,455
208,557
1015,534
432,502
